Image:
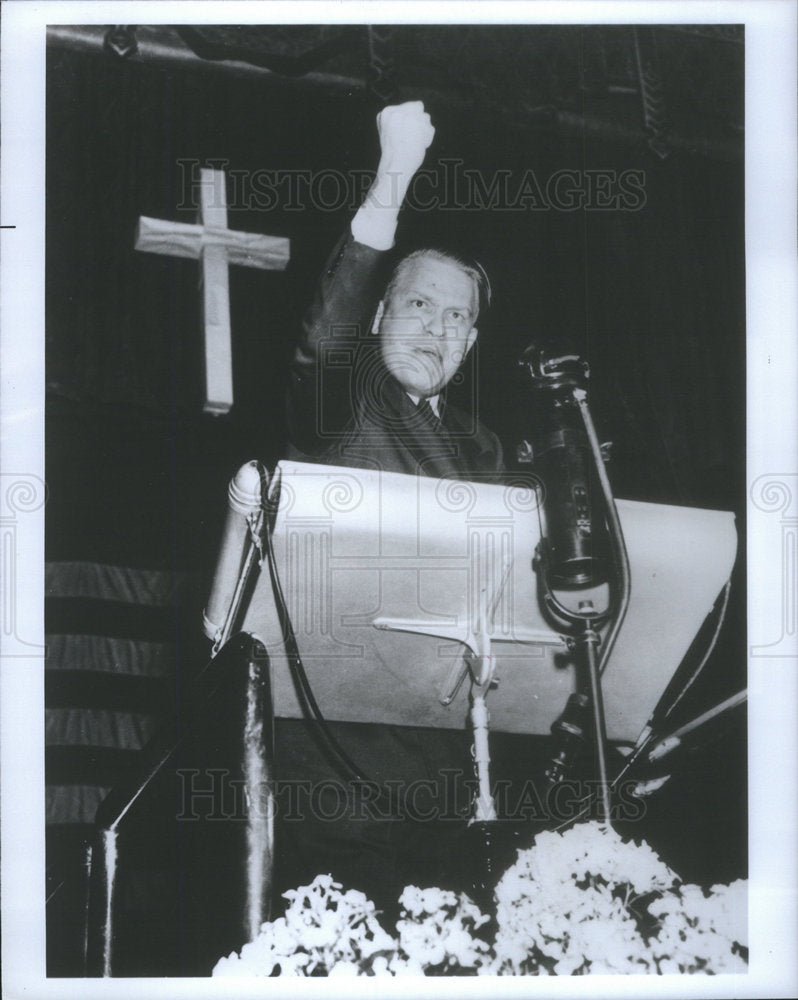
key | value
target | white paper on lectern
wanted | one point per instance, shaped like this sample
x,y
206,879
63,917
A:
x,y
353,546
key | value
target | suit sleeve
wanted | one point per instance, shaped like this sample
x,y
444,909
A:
x,y
339,318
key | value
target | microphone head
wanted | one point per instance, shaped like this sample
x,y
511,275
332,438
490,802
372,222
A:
x,y
552,370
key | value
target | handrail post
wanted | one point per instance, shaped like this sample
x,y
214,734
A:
x,y
101,928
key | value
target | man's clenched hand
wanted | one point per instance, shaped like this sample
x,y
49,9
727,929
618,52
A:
x,y
405,132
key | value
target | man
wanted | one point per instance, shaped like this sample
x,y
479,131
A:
x,y
368,389
387,409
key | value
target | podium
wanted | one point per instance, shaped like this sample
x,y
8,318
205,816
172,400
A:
x,y
388,579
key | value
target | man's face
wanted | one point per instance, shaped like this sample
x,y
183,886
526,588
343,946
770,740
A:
x,y
426,324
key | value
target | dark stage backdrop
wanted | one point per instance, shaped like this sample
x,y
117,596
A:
x,y
137,475
654,295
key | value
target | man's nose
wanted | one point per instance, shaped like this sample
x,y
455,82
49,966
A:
x,y
434,325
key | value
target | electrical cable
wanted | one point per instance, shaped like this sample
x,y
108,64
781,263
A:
x,y
297,668
710,648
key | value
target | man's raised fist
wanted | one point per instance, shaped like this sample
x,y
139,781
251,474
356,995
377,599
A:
x,y
405,132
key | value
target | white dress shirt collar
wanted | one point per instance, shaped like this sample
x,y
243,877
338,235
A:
x,y
434,402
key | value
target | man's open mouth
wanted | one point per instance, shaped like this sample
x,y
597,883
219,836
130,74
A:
x,y
429,352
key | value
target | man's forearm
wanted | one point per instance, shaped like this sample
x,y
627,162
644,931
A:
x,y
405,133
345,297
375,223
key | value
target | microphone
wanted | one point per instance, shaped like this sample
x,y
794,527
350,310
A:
x,y
576,540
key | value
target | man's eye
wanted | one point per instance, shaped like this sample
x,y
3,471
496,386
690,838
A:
x,y
417,303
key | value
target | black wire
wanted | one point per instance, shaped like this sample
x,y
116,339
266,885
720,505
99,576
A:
x,y
344,761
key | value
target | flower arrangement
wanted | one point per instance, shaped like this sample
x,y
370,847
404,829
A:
x,y
575,903
589,902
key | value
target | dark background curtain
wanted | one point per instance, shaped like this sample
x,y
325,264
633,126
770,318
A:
x,y
653,296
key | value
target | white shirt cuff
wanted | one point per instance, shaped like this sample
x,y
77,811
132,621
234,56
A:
x,y
374,227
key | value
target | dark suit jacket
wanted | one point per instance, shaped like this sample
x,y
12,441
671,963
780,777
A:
x,y
345,408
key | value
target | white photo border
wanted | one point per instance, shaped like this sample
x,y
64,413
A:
x,y
772,420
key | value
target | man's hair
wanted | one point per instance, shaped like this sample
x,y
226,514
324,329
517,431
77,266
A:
x,y
474,270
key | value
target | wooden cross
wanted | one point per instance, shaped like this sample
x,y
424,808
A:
x,y
217,247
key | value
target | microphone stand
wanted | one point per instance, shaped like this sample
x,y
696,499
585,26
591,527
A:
x,y
582,625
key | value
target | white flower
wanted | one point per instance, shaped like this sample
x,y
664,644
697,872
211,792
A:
x,y
563,908
435,929
345,969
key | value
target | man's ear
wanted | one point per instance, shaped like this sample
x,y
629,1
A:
x,y
472,336
375,326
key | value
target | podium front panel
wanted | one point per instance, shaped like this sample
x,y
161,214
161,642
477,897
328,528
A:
x,y
355,546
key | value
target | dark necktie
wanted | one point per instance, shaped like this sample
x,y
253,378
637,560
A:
x,y
443,455
428,416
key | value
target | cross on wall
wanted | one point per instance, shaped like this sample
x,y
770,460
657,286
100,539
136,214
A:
x,y
217,247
